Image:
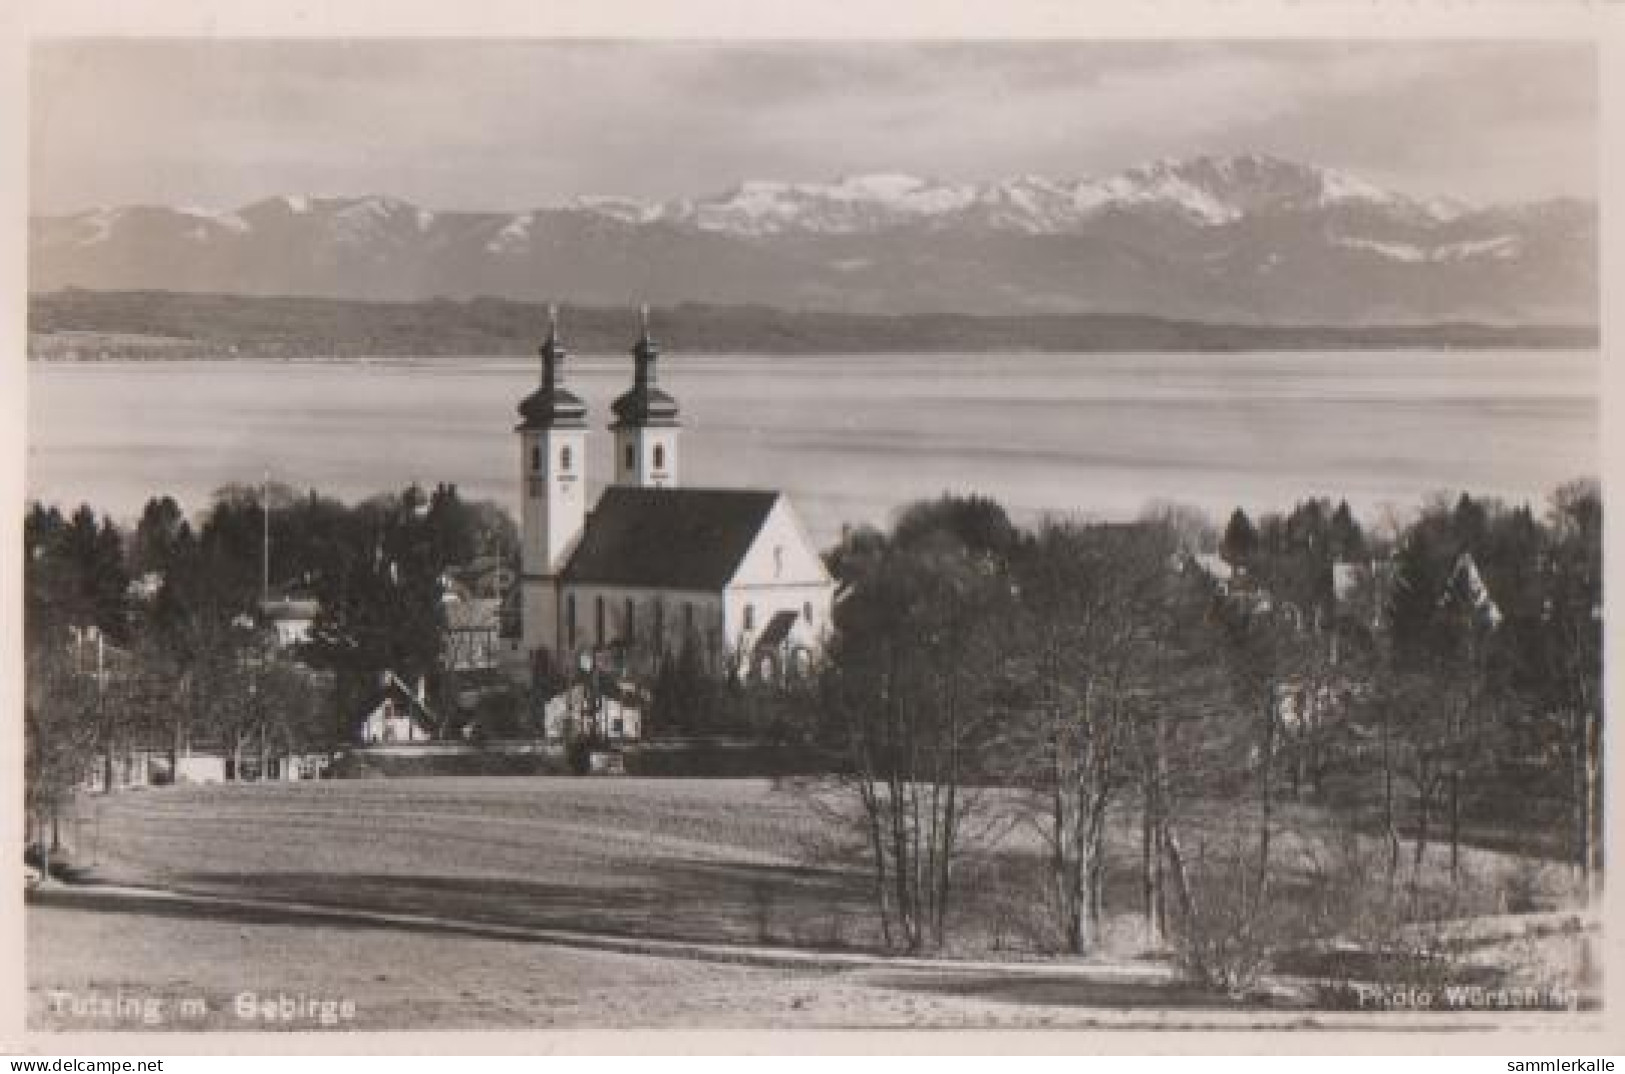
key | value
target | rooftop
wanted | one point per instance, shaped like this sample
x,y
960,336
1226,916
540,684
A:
x,y
682,538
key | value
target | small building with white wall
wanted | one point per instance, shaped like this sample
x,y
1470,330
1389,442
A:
x,y
399,717
292,618
602,715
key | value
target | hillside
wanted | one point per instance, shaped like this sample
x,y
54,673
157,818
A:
x,y
146,325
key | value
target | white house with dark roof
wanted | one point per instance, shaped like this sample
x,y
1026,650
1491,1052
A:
x,y
291,617
654,566
400,717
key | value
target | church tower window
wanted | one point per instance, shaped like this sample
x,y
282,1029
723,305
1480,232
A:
x,y
750,617
660,456
631,457
564,459
536,458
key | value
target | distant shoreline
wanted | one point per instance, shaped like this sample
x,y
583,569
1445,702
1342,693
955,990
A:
x,y
94,326
407,361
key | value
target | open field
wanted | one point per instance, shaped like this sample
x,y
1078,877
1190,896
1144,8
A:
x,y
88,951
676,859
707,860
422,979
703,861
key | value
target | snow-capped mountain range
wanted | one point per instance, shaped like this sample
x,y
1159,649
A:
x,y
1241,238
1207,190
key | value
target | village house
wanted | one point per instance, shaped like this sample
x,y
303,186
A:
x,y
1361,590
600,714
470,642
400,717
290,618
486,575
151,757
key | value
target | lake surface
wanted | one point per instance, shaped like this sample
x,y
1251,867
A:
x,y
852,437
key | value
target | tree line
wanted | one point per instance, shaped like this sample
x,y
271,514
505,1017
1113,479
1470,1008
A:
x,y
1314,691
1228,703
154,636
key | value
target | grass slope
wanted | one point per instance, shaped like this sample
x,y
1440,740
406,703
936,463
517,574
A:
x,y
687,859
708,860
680,859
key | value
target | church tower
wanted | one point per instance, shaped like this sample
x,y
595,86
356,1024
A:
x,y
553,487
646,423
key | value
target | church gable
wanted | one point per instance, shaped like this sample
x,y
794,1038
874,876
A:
x,y
781,554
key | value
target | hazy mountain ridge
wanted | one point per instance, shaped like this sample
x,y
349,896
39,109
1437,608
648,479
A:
x,y
1249,239
93,325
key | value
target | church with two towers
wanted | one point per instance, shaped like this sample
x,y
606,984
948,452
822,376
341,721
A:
x,y
653,566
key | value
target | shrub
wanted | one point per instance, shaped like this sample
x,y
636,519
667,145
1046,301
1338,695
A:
x,y
1225,943
1236,928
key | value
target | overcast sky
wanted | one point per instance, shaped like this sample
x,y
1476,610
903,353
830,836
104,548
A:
x,y
506,125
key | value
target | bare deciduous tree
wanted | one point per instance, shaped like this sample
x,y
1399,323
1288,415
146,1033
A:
x,y
908,698
1087,597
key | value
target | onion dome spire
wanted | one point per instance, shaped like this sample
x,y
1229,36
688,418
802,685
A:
x,y
645,404
551,351
644,351
552,406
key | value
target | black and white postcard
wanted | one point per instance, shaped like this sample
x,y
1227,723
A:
x,y
536,526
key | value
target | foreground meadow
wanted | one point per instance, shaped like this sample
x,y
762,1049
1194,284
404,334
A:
x,y
709,861
678,859
713,860
192,971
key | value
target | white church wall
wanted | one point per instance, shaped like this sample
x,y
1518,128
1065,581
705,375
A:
x,y
781,572
782,554
539,612
707,616
750,608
